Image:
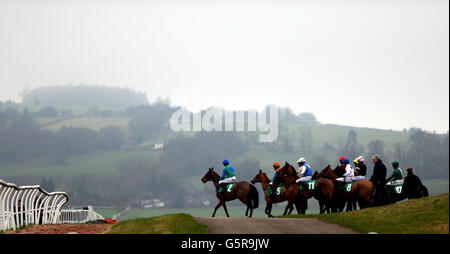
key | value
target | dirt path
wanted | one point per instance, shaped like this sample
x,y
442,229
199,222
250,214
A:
x,y
270,226
64,229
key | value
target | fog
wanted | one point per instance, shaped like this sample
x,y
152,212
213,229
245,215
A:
x,y
378,64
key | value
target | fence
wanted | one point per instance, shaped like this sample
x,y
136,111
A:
x,y
79,215
23,205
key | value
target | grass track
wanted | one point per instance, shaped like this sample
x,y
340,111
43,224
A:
x,y
166,224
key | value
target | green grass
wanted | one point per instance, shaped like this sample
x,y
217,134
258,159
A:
x,y
101,163
167,224
95,123
234,211
106,212
334,134
428,215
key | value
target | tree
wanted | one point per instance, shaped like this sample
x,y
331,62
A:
x,y
376,147
48,112
306,138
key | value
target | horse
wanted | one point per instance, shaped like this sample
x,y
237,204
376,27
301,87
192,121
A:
x,y
284,194
361,190
245,192
323,190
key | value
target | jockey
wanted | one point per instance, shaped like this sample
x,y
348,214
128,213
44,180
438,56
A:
x,y
349,172
228,175
271,190
360,170
276,167
397,177
342,164
304,171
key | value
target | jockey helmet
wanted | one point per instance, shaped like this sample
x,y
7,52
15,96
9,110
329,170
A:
x,y
276,164
346,161
301,160
395,164
341,158
225,162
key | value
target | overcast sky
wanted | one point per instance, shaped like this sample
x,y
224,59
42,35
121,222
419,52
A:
x,y
380,64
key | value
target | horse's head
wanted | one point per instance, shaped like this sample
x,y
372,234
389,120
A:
x,y
259,177
209,175
314,176
339,171
324,172
287,170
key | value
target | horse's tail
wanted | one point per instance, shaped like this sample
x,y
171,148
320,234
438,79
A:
x,y
254,196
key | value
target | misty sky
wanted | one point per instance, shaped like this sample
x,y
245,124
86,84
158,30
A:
x,y
380,64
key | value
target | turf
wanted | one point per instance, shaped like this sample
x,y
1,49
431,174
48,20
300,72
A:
x,y
428,215
167,224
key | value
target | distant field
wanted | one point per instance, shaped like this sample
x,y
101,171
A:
x,y
95,123
436,186
101,163
334,134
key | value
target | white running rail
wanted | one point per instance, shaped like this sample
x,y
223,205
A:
x,y
23,205
79,215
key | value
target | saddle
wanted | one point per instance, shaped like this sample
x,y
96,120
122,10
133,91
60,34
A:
x,y
344,186
307,185
274,190
225,188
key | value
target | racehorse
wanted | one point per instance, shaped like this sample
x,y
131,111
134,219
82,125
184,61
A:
x,y
323,190
282,196
361,190
245,192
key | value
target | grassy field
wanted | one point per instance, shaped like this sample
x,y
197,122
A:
x,y
95,123
97,163
167,224
428,215
334,133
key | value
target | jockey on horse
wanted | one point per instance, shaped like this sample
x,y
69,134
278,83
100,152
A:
x,y
397,177
276,167
349,172
303,172
228,175
360,169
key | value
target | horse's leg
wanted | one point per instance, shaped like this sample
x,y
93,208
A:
x,y
215,209
269,209
225,208
304,205
291,208
287,207
246,211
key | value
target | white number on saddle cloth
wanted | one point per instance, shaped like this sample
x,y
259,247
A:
x,y
229,187
311,185
349,187
279,190
398,189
